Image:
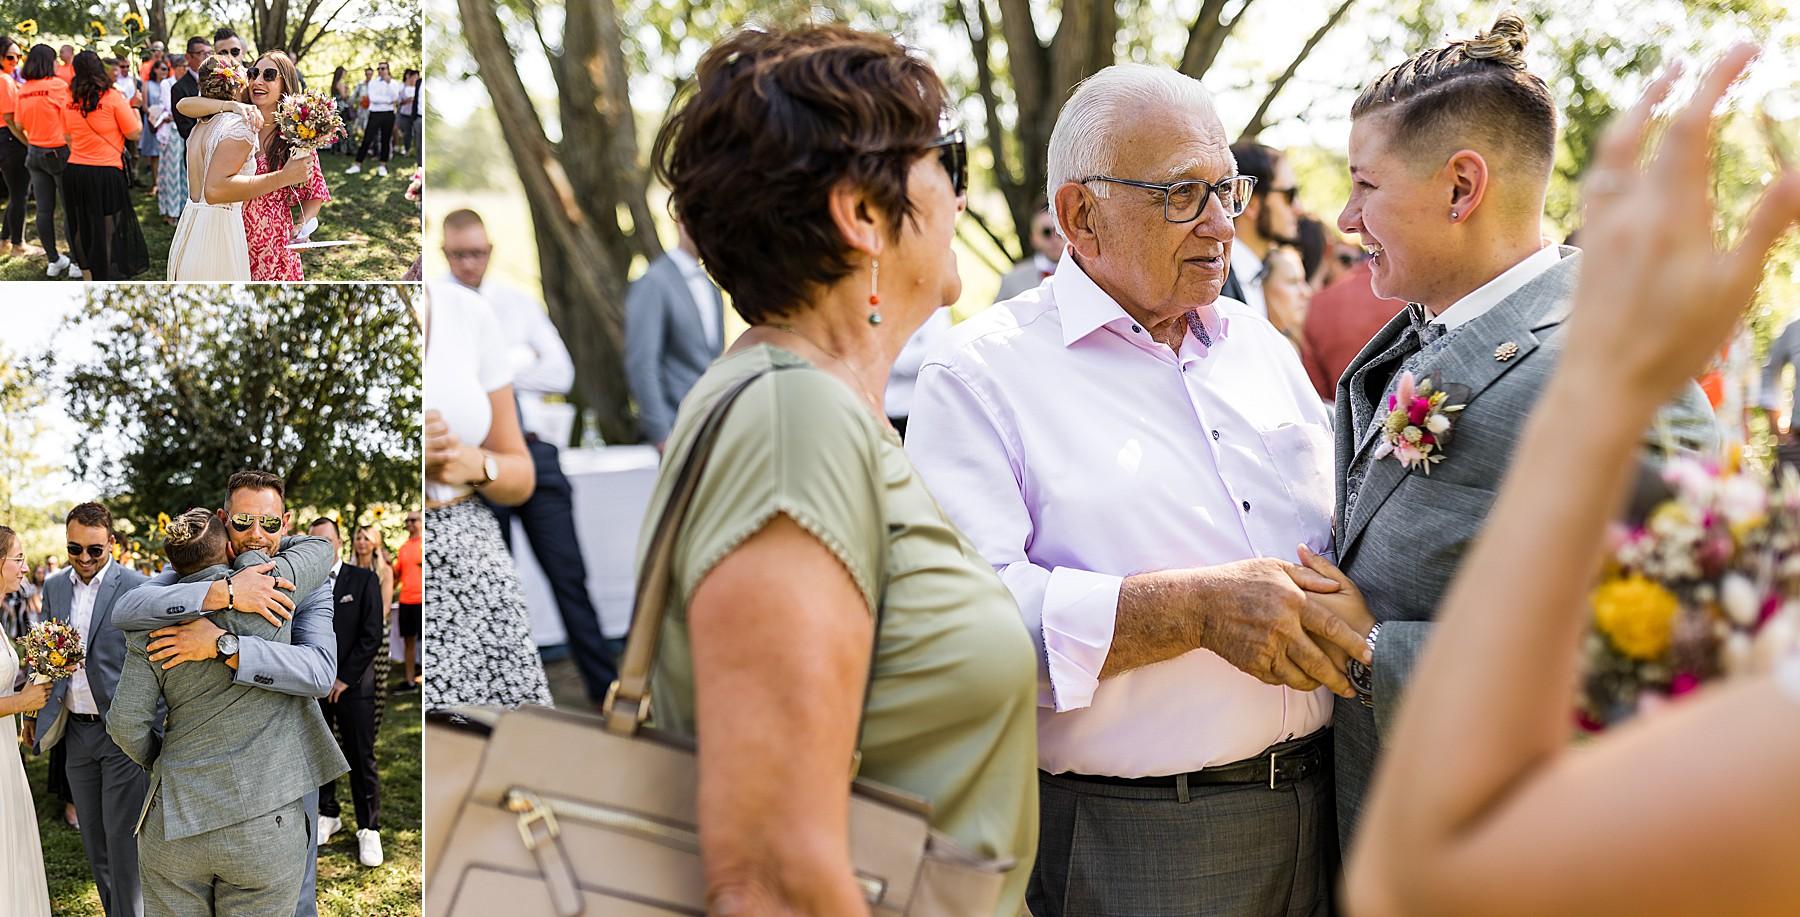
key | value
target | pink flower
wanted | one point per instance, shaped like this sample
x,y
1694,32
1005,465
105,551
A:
x,y
1588,723
1770,605
1404,388
1426,439
1391,402
1682,683
1415,415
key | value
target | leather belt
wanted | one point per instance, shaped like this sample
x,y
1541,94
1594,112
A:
x,y
84,717
1279,765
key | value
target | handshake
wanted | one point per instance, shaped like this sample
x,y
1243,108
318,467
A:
x,y
1293,624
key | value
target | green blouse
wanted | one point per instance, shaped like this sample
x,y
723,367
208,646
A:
x,y
952,713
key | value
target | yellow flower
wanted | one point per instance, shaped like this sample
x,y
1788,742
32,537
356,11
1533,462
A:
x,y
378,512
57,658
306,133
133,23
28,28
162,522
1637,615
98,28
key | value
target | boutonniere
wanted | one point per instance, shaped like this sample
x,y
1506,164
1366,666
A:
x,y
1417,426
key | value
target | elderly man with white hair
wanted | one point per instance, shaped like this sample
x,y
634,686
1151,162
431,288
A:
x,y
1135,456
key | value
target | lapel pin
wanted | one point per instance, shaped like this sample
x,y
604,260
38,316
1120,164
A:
x,y
1506,351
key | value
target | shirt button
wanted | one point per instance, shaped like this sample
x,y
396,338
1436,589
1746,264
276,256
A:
x,y
1215,436
1136,330
1246,506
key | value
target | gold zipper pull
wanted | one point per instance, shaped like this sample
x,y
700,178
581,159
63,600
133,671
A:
x,y
532,812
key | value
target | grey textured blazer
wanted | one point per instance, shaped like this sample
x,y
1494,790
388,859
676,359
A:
x,y
1401,534
105,647
665,345
229,751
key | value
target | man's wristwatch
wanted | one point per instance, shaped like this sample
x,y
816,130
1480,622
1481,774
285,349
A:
x,y
1362,677
490,469
227,645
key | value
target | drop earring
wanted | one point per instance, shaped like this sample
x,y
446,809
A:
x,y
874,292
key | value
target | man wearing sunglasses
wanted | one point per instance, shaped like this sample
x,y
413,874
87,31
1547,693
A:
x,y
228,46
108,787
178,616
1137,456
1046,249
1268,220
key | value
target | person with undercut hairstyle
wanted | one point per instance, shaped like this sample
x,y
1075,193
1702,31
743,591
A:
x,y
1450,157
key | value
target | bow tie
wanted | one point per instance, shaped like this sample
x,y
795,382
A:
x,y
1422,325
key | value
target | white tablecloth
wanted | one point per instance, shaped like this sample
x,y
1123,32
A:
x,y
612,488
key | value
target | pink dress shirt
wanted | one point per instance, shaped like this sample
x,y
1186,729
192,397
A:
x,y
1074,450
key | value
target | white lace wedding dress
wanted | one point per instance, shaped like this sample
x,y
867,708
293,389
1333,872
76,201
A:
x,y
23,889
210,241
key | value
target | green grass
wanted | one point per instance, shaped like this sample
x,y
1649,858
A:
x,y
346,887
363,208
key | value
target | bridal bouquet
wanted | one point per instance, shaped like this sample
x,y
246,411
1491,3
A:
x,y
308,120
1705,585
52,650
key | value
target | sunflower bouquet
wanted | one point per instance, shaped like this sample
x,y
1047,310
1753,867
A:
x,y
1704,584
308,120
52,651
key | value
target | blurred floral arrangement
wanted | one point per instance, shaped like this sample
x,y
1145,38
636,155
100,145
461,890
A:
x,y
51,650
1705,586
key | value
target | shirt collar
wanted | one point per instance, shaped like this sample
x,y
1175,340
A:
x,y
93,583
686,262
339,565
1492,293
1085,308
1245,264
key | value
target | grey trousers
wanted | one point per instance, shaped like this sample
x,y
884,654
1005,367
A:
x,y
309,883
251,869
45,166
1229,851
109,793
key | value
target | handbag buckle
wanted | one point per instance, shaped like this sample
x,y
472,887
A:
x,y
532,812
640,711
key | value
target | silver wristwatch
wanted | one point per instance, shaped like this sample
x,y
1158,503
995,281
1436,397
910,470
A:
x,y
1362,677
227,645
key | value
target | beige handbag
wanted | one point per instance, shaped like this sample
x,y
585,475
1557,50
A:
x,y
536,812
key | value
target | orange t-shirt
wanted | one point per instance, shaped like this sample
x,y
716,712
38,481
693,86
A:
x,y
65,72
9,96
412,579
98,137
40,113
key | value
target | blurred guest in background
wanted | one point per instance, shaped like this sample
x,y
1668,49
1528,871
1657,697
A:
x,y
357,618
534,354
1269,220
369,551
1046,249
1343,317
674,329
409,570
1285,292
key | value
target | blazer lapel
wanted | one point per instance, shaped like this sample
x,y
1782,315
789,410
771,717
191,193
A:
x,y
1473,360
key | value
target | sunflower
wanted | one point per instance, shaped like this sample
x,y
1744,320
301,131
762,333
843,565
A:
x,y
28,28
97,28
132,23
162,523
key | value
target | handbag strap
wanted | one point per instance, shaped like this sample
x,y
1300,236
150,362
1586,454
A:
x,y
627,703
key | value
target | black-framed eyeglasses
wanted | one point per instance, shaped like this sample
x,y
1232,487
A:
x,y
244,522
93,551
1183,201
953,152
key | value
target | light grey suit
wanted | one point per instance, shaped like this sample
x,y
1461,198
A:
x,y
224,829
108,787
666,348
1401,534
306,668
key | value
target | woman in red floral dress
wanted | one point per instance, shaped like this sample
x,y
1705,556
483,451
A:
x,y
269,220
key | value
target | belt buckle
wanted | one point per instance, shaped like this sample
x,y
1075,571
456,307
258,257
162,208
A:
x,y
1272,757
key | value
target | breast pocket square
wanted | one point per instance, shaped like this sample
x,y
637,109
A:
x,y
346,600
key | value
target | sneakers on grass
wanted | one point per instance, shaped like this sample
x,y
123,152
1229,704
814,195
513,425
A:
x,y
368,847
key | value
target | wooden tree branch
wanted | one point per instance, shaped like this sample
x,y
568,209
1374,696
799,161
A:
x,y
976,218
1258,120
990,102
1208,36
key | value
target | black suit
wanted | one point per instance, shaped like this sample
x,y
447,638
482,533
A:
x,y
186,87
356,605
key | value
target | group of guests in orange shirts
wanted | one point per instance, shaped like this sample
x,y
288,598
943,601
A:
x,y
67,129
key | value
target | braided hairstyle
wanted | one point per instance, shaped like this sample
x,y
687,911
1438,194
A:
x,y
221,81
1479,84
195,539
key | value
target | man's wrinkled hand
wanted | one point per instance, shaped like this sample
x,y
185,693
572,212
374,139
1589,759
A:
x,y
255,591
191,642
1260,625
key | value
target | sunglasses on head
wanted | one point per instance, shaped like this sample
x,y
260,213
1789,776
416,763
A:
x,y
93,551
244,522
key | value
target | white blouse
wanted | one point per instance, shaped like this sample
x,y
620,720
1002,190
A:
x,y
464,362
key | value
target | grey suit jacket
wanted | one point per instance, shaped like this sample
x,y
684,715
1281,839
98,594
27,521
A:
x,y
307,667
1401,534
105,646
665,345
229,751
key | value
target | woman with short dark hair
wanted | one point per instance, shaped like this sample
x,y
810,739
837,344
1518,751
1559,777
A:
x,y
813,171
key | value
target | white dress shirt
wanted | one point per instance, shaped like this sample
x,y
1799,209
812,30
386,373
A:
x,y
902,379
533,348
1075,450
1489,295
464,364
384,94
1247,267
706,296
81,617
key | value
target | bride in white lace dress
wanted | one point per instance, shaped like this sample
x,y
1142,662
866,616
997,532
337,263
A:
x,y
210,242
23,889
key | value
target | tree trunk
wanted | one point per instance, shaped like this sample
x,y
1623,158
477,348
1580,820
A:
x,y
583,261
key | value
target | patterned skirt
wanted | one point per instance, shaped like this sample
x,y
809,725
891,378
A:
x,y
476,647
172,176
